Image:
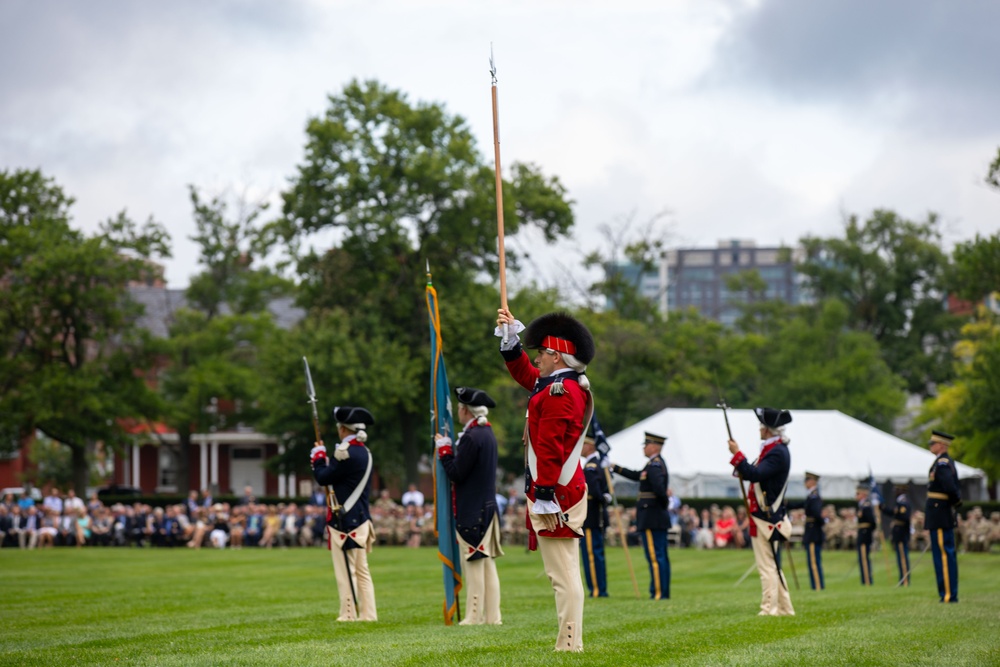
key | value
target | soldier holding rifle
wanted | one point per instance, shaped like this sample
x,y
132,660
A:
x,y
350,528
769,525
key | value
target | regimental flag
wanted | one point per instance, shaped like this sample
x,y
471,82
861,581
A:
x,y
600,440
441,422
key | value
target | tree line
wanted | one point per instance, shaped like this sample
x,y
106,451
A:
x,y
400,186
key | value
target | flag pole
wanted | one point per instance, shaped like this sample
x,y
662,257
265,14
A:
x,y
499,189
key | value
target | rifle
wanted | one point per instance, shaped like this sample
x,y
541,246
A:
x,y
331,498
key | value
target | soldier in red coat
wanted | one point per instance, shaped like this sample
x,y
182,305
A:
x,y
559,409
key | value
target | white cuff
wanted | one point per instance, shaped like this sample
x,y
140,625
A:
x,y
512,339
545,507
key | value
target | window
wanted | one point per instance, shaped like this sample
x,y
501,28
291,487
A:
x,y
168,471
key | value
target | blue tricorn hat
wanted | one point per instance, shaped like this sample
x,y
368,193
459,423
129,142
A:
x,y
474,397
352,415
772,417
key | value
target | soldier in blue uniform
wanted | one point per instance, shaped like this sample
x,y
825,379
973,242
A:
x,y
598,498
471,465
349,526
943,497
812,538
901,514
866,529
652,519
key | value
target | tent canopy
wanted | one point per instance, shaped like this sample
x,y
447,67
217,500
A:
x,y
839,448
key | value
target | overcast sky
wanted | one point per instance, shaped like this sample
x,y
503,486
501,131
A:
x,y
763,120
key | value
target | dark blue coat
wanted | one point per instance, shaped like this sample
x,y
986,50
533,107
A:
x,y
813,506
597,486
943,494
901,515
344,476
866,522
472,467
771,473
651,506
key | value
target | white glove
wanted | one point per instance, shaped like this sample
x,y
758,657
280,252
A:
x,y
318,452
442,441
607,499
512,338
605,462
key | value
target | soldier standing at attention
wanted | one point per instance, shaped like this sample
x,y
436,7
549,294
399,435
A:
x,y
471,465
598,498
812,538
769,524
901,514
943,497
559,409
349,526
866,529
652,520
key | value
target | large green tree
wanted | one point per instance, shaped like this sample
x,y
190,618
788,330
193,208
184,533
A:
x,y
890,273
401,185
70,344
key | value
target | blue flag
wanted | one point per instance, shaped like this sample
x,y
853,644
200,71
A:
x,y
600,440
441,422
874,494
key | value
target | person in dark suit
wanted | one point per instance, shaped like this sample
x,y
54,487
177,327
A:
x,y
812,537
944,497
352,534
471,465
652,519
866,529
769,524
901,514
598,498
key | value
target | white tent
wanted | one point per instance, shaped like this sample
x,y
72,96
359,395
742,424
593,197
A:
x,y
837,447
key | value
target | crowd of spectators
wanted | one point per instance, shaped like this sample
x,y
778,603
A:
x,y
67,520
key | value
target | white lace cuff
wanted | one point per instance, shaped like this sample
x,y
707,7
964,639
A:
x,y
545,507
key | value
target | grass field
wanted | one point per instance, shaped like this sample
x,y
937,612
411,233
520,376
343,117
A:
x,y
277,607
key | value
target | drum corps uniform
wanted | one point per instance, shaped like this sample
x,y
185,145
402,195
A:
x,y
471,465
559,409
349,527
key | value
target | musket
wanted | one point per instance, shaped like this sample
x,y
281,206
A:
x,y
331,497
499,190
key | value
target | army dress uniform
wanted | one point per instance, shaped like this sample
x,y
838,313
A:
x,y
559,408
592,543
813,535
471,465
769,524
866,529
901,515
652,519
943,497
350,530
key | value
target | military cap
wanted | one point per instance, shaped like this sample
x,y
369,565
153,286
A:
x,y
812,475
588,440
653,439
474,397
352,415
863,486
562,333
942,437
772,417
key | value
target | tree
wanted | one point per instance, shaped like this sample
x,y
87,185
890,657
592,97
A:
x,y
71,347
977,267
208,366
968,407
890,273
402,184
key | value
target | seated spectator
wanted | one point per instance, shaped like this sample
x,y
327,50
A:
x,y
83,523
52,501
49,529
72,503
66,536
254,526
29,528
7,536
220,527
272,524
200,528
288,532
743,527
704,537
726,529
101,527
413,497
237,525
415,523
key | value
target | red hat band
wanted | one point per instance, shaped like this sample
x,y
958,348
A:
x,y
559,344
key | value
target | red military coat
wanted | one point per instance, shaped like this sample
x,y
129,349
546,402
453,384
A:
x,y
555,424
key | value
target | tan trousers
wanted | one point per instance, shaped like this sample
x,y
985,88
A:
x,y
562,565
363,585
774,599
482,590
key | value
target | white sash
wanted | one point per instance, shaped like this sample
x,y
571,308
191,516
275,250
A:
x,y
572,463
359,489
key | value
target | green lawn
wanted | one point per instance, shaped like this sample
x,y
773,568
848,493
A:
x,y
277,607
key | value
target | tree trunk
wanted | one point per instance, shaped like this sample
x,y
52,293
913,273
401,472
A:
x,y
411,452
81,471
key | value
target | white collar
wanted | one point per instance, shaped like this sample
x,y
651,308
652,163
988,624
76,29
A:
x,y
592,456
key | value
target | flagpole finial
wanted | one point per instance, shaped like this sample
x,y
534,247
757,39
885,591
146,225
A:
x,y
428,271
